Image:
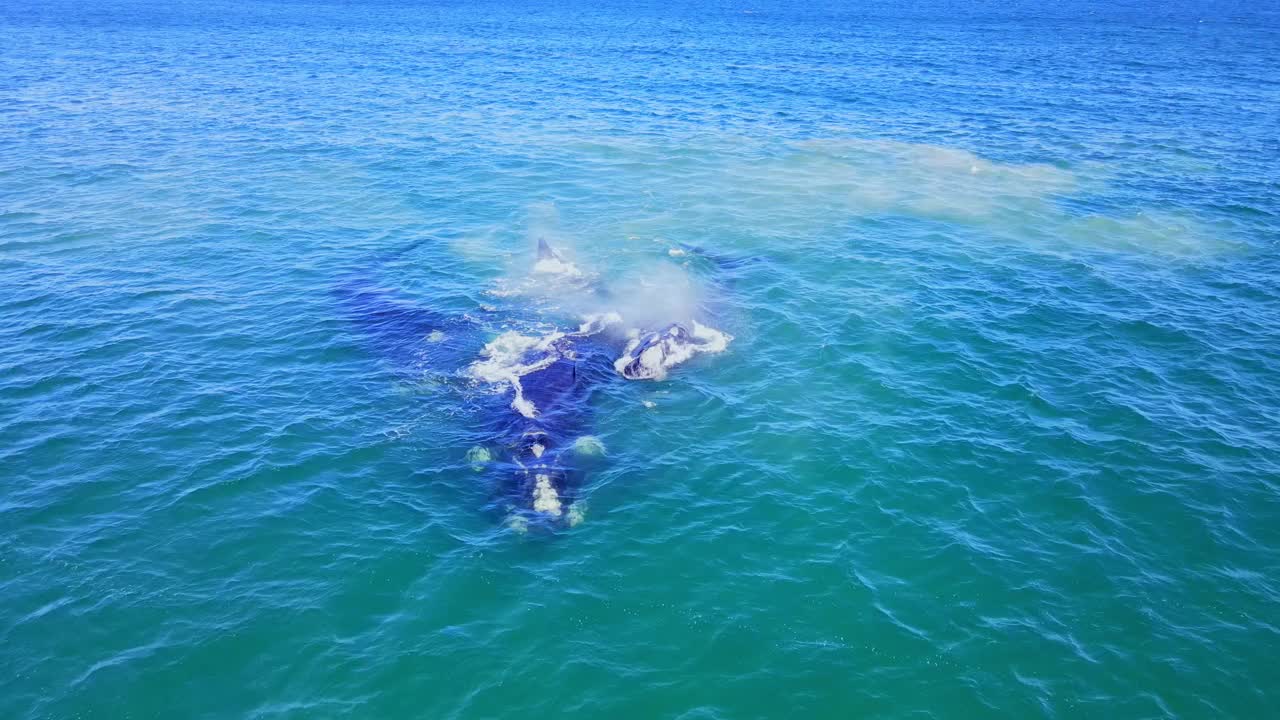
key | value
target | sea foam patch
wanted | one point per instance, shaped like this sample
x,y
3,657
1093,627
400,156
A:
x,y
511,356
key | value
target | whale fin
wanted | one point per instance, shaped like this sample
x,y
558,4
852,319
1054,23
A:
x,y
545,252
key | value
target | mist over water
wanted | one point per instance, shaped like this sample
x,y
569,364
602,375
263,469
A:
x,y
994,434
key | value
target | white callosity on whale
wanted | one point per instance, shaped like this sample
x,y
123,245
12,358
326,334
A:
x,y
545,497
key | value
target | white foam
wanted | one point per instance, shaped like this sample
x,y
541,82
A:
x,y
670,349
511,356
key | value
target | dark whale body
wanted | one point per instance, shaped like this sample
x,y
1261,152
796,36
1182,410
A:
x,y
542,479
536,476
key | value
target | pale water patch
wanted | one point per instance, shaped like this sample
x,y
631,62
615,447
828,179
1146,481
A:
x,y
478,247
884,176
807,187
726,183
1167,234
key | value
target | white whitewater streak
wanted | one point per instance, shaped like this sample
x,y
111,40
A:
x,y
511,356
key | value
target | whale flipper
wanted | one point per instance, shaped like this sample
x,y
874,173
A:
x,y
400,331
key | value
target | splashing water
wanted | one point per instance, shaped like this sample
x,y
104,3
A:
x,y
658,295
511,356
650,356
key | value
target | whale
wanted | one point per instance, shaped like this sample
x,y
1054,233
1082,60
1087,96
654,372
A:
x,y
535,433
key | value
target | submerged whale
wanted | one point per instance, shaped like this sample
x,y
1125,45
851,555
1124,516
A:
x,y
534,409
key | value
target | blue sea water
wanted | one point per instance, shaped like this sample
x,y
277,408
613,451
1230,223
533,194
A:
x,y
995,436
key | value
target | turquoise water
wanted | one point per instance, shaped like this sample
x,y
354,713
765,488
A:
x,y
995,435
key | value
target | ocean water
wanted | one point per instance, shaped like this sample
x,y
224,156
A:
x,y
995,436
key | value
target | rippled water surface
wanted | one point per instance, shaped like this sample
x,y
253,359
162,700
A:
x,y
996,434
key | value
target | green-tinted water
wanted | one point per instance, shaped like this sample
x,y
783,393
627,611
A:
x,y
994,437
